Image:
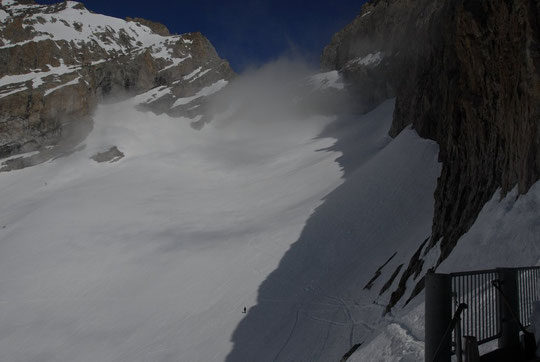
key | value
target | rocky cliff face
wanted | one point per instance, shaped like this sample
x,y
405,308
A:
x,y
465,74
378,51
57,61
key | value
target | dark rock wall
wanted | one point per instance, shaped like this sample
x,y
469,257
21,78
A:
x,y
399,31
157,28
478,97
465,73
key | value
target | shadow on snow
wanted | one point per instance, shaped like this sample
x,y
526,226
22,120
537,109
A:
x,y
312,306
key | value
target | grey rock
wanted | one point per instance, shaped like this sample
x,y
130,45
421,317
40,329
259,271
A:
x,y
113,154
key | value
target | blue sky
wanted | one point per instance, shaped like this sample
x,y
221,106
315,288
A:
x,y
245,32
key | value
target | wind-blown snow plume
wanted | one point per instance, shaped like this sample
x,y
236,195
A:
x,y
153,255
148,239
285,91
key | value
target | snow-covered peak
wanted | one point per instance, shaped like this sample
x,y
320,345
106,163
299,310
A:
x,y
64,58
72,22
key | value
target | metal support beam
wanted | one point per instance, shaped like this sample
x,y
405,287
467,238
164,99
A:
x,y
509,308
438,317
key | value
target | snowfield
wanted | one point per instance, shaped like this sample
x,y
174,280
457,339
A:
x,y
314,306
153,257
505,234
510,227
306,220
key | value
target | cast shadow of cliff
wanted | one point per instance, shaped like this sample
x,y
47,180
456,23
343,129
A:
x,y
307,309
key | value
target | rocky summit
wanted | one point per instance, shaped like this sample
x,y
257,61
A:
x,y
58,61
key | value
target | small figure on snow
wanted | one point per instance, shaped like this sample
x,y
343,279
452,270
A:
x,y
245,310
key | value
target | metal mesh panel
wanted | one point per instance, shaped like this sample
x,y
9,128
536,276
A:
x,y
482,292
529,292
481,318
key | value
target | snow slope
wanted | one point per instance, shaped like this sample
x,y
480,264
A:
x,y
151,258
314,307
154,256
505,234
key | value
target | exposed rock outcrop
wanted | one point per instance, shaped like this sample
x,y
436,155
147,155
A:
x,y
157,28
113,154
377,52
465,74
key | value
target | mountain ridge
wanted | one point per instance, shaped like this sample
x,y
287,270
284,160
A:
x,y
60,60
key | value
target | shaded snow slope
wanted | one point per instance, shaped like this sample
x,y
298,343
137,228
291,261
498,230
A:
x,y
505,234
313,306
394,344
153,257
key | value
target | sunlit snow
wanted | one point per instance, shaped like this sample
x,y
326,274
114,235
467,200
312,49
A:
x,y
155,256
205,91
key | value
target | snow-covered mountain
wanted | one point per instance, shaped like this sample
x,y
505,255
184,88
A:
x,y
134,235
148,194
152,257
60,60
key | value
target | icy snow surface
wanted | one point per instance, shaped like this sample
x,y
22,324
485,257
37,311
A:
x,y
3,16
313,306
394,344
192,74
206,91
37,76
154,257
153,94
72,82
371,59
505,234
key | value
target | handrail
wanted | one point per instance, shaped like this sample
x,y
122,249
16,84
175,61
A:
x,y
473,272
489,315
451,326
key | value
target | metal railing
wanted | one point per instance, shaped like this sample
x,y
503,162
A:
x,y
495,300
481,318
529,292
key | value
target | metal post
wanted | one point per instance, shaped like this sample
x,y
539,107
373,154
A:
x,y
458,336
471,349
459,349
438,317
509,309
